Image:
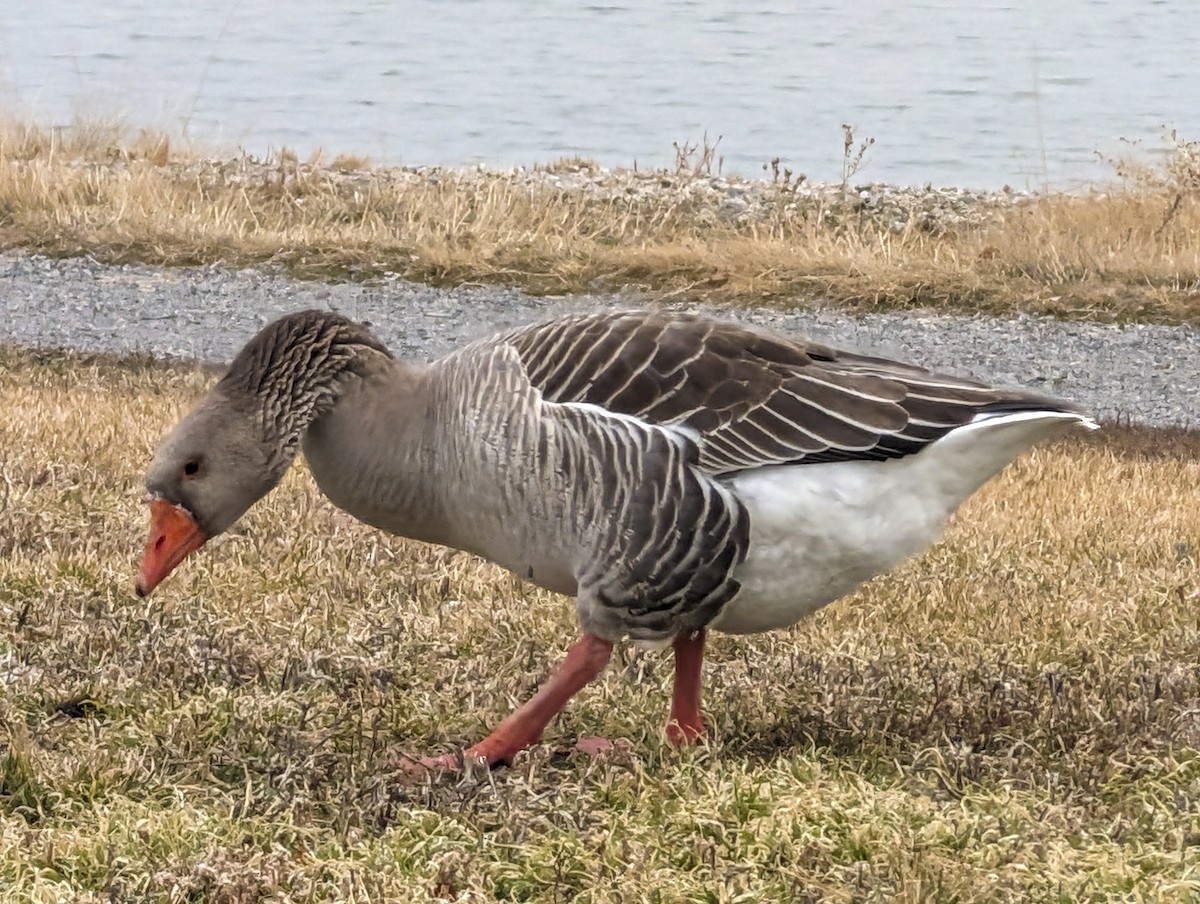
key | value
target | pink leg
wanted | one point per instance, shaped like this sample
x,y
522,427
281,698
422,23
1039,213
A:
x,y
687,725
585,660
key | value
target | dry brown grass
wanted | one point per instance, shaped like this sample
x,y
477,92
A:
x,y
1014,716
1128,253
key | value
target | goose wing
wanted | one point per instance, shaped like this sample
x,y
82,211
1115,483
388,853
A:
x,y
750,398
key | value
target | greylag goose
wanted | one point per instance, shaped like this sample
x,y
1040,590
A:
x,y
672,472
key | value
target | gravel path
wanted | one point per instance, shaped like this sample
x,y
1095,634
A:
x,y
1144,373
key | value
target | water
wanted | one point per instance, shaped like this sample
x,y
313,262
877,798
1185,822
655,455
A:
x,y
1021,92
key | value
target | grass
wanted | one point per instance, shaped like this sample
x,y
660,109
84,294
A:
x,y
1014,716
1126,253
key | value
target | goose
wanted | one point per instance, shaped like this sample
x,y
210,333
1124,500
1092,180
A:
x,y
675,473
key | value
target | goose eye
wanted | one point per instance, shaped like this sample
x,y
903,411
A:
x,y
191,467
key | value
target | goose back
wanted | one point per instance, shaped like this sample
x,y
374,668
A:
x,y
751,398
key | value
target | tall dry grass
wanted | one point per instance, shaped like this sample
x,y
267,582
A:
x,y
1014,716
1128,252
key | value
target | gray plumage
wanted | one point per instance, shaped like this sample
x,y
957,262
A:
x,y
592,454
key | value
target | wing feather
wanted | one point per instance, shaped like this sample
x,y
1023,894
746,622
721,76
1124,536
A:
x,y
752,399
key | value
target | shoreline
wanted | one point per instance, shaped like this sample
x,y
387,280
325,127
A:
x,y
1137,373
735,198
1124,254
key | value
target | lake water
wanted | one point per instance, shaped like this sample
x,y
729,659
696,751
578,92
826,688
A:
x,y
1023,92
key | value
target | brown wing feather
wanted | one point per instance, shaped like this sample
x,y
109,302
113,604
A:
x,y
754,399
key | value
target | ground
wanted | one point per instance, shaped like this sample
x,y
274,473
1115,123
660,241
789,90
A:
x,y
1013,716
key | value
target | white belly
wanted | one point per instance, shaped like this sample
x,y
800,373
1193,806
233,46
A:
x,y
818,531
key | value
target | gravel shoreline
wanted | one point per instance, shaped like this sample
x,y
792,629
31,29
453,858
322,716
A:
x,y
1142,373
707,196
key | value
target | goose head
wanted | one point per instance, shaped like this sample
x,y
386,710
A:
x,y
238,442
209,470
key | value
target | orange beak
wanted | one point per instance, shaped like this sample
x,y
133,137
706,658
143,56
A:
x,y
173,534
